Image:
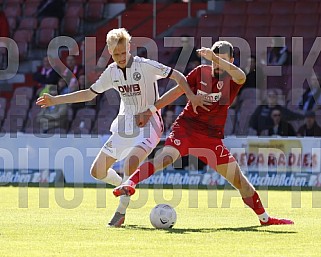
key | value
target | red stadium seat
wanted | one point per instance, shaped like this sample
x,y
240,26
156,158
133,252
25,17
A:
x,y
94,11
49,23
26,92
231,20
252,32
23,48
281,31
305,31
258,8
279,7
75,10
12,124
235,7
191,31
258,20
233,32
282,20
28,23
12,23
306,20
30,9
44,37
71,26
12,10
306,7
23,36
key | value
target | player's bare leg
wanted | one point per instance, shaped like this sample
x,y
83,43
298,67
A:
x,y
162,159
101,169
132,161
235,176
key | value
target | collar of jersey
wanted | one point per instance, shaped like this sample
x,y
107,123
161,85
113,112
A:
x,y
129,63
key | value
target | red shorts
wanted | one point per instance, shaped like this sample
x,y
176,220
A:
x,y
210,150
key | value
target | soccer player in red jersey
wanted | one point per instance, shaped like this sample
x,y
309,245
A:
x,y
204,131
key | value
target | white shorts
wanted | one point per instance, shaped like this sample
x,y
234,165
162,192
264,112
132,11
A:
x,y
119,145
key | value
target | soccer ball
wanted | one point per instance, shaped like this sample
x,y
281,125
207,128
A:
x,y
163,216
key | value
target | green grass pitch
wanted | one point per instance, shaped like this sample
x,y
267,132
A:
x,y
63,222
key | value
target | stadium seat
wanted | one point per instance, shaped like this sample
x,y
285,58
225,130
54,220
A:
x,y
56,131
23,91
12,24
251,32
23,35
81,125
12,10
242,123
233,32
28,23
74,10
12,124
230,20
191,31
94,11
17,111
44,37
88,113
306,7
71,26
260,20
285,31
17,1
230,121
30,9
235,7
281,8
305,31
282,20
306,20
258,8
3,103
49,23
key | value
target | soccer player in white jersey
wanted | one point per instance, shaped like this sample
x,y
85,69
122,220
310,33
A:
x,y
135,79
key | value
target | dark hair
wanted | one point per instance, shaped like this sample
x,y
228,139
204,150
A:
x,y
223,47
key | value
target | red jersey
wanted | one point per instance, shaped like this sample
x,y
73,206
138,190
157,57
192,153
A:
x,y
220,92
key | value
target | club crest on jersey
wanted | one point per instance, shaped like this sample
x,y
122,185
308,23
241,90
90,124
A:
x,y
220,84
177,142
137,76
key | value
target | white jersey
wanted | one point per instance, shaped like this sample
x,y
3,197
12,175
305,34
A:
x,y
138,88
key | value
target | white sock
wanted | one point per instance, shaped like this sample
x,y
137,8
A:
x,y
112,178
123,200
264,217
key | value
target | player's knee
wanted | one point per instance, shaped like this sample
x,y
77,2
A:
x,y
94,172
167,160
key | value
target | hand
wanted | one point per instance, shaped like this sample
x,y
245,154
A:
x,y
199,100
142,118
207,53
45,100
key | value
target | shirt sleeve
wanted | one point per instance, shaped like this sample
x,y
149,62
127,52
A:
x,y
103,83
160,70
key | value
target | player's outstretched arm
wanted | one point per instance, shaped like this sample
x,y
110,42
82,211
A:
x,y
196,100
236,73
79,96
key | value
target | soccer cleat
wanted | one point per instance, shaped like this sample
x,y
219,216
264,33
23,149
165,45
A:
x,y
276,221
124,190
117,220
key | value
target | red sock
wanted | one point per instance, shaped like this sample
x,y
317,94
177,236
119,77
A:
x,y
144,171
254,202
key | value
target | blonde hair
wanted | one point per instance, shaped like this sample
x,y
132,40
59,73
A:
x,y
116,36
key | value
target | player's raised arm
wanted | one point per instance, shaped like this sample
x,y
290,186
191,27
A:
x,y
235,72
79,96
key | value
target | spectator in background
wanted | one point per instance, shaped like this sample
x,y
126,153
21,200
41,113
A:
x,y
54,116
51,8
311,127
261,118
278,55
254,74
188,53
46,74
62,87
100,67
280,126
4,32
169,118
312,96
72,71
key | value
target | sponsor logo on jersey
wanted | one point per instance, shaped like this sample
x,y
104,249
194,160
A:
x,y
213,97
220,84
137,76
129,90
